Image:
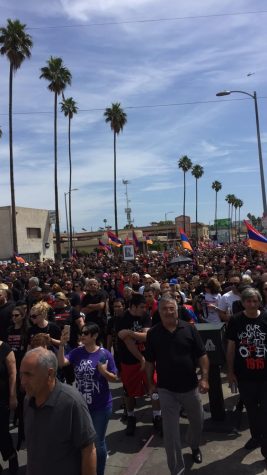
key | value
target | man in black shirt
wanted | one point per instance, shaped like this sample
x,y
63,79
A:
x,y
247,364
58,427
132,329
173,347
93,305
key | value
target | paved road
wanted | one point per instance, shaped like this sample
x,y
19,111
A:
x,y
143,454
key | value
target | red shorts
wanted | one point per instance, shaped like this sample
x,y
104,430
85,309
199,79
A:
x,y
134,380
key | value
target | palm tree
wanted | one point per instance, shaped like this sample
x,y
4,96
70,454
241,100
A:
x,y
217,186
185,164
235,205
69,108
239,205
117,118
59,77
197,172
16,45
230,200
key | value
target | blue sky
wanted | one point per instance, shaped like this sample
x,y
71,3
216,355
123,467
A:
x,y
182,61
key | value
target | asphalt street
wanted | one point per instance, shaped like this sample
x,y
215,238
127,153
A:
x,y
143,454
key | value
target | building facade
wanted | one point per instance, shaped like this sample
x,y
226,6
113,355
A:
x,y
34,233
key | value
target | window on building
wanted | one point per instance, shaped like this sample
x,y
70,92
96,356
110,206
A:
x,y
34,233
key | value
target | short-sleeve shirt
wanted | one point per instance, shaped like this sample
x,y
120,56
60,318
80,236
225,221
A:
x,y
175,355
250,337
51,329
97,316
136,324
57,432
226,301
90,382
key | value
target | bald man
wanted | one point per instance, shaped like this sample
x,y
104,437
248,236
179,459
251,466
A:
x,y
58,428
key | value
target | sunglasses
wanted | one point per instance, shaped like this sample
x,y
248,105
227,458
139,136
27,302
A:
x,y
85,333
34,316
15,314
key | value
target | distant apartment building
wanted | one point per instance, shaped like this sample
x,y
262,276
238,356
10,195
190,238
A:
x,y
34,233
203,231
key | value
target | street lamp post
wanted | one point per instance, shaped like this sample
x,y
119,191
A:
x,y
254,97
69,231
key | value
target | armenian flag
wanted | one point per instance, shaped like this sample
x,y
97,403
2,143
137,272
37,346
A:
x,y
20,259
185,242
113,239
148,240
103,246
256,240
135,241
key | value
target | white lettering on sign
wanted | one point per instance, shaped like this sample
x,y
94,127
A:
x,y
210,345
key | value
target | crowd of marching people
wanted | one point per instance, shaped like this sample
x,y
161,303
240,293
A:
x,y
107,320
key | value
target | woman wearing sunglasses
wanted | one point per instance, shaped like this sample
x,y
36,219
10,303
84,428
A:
x,y
94,367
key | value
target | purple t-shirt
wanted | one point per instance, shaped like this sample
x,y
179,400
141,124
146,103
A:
x,y
91,384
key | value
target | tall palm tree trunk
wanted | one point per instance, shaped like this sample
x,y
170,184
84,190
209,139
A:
x,y
235,226
196,216
58,248
232,208
70,184
115,186
216,224
11,164
229,225
239,226
184,204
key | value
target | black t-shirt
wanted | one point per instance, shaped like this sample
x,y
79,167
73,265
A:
x,y
74,298
18,343
97,316
51,329
175,354
5,319
68,316
136,324
4,377
250,337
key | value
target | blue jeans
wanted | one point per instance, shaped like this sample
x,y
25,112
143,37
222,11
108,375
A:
x,y
100,420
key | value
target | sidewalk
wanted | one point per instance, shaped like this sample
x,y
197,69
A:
x,y
143,454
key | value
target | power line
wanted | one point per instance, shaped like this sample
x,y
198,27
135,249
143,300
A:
x,y
155,20
148,106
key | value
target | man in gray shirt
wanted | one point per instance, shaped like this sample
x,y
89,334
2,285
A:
x,y
58,428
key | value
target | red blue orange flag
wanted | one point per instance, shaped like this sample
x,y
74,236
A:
x,y
256,240
113,239
103,246
148,240
135,241
185,242
20,259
